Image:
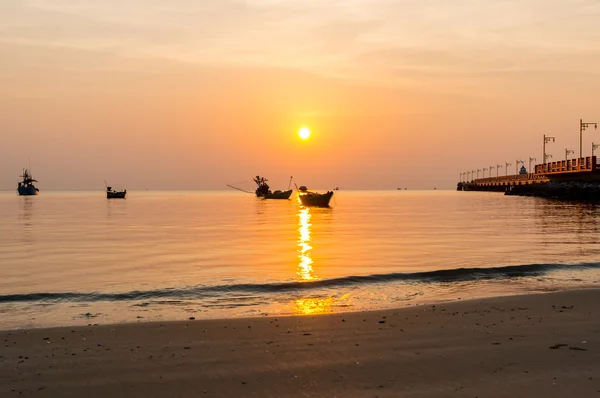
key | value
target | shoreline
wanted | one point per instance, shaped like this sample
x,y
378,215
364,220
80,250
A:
x,y
95,321
545,344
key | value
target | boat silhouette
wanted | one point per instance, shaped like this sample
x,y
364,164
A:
x,y
310,198
264,191
112,194
26,187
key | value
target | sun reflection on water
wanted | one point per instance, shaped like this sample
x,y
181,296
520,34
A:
x,y
320,305
308,306
305,269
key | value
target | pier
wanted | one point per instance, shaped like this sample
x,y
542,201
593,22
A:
x,y
579,169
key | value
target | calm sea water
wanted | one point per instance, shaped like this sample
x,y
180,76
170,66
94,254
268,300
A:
x,y
77,258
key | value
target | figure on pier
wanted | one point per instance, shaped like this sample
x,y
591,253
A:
x,y
523,170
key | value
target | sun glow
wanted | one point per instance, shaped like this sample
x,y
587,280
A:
x,y
304,133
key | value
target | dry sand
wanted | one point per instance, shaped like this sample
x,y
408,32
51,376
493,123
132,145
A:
x,y
545,345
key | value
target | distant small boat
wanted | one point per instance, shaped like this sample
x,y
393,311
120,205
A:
x,y
112,194
308,198
26,187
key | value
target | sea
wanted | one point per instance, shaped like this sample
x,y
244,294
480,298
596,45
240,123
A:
x,y
76,258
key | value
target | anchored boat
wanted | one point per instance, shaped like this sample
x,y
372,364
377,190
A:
x,y
112,194
26,187
309,198
264,191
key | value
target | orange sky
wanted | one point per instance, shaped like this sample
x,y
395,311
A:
x,y
196,94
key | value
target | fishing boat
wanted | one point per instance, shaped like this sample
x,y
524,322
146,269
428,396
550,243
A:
x,y
278,194
26,187
112,194
309,198
264,191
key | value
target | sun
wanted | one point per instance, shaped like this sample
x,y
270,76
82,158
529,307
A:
x,y
304,133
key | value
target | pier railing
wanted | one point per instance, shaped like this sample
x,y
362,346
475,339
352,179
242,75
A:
x,y
511,178
570,165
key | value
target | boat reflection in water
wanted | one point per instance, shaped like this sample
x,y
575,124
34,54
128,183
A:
x,y
317,304
26,216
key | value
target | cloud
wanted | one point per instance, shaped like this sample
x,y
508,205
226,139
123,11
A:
x,y
429,43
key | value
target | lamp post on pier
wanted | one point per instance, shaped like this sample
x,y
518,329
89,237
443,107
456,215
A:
x,y
506,169
484,170
583,126
567,152
478,170
498,166
473,175
594,147
491,167
517,163
530,160
547,140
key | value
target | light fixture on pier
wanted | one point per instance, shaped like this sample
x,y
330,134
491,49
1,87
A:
x,y
530,160
547,140
484,170
478,170
506,168
491,167
567,152
594,147
517,163
583,126
498,166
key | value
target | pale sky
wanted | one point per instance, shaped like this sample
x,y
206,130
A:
x,y
188,94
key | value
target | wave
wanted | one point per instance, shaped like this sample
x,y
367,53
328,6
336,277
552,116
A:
x,y
210,291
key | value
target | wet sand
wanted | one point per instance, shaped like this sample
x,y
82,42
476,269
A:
x,y
522,346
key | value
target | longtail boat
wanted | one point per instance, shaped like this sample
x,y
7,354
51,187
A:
x,y
309,198
264,191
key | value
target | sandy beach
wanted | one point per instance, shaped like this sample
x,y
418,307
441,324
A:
x,y
521,346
